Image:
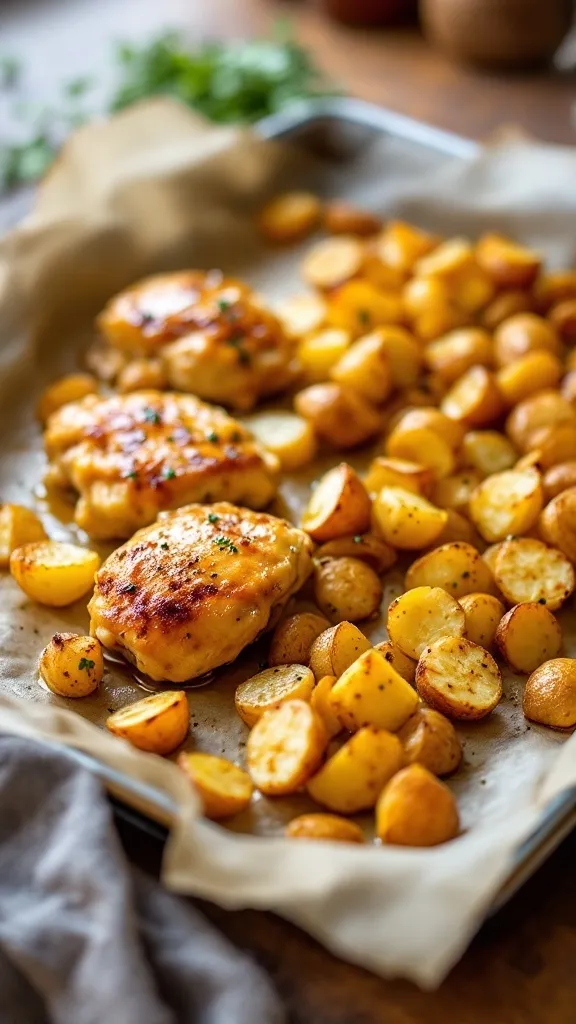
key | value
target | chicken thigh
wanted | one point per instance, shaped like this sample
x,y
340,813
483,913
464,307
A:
x,y
131,456
189,593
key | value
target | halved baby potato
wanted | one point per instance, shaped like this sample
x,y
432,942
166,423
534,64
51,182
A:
x,y
550,694
507,503
474,399
416,809
352,778
301,314
158,723
403,665
293,638
341,218
508,264
70,388
320,350
358,306
320,703
288,436
430,739
365,546
270,688
336,648
72,665
526,376
483,613
18,525
458,568
459,678
324,827
347,589
338,414
403,353
488,451
406,520
454,491
528,570
366,368
332,261
372,692
421,616
400,245
223,788
557,523
527,636
410,476
458,351
290,216
285,748
339,504
420,443
54,573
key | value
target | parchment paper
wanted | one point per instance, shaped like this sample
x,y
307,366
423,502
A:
x,y
157,189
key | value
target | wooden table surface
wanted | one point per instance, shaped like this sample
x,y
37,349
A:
x,y
520,969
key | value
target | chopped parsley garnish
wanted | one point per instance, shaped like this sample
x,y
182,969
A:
x,y
225,544
85,664
213,518
223,305
132,475
171,438
151,416
164,546
364,317
212,437
235,340
235,436
169,473
358,539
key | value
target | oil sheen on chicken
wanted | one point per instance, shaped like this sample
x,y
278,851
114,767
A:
x,y
213,335
189,593
128,457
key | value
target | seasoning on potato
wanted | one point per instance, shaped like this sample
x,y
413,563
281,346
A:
x,y
557,523
404,665
527,570
270,688
372,692
320,703
527,636
18,525
420,616
339,504
347,589
458,568
290,216
483,613
54,573
416,809
324,827
365,367
223,788
285,748
410,476
406,520
365,546
293,638
338,414
332,261
550,694
336,648
459,678
288,436
507,503
157,724
72,665
430,739
474,399
352,778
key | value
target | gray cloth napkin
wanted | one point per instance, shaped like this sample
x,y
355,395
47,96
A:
x,y
84,939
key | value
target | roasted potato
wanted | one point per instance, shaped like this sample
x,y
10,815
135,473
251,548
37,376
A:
x,y
430,308
400,245
301,314
365,367
557,523
446,260
365,546
406,520
506,304
527,636
474,399
454,492
457,530
555,480
416,439
18,525
285,748
404,665
339,504
420,616
332,261
321,704
403,353
416,809
527,375
68,389
372,692
555,443
142,375
507,503
563,318
459,678
293,638
458,568
458,351
324,827
411,476
430,739
352,778
270,688
472,289
158,723
223,787
554,286
523,334
546,409
509,265
359,306
568,387
483,613
290,216
72,665
346,589
550,694
341,218
527,570
339,416
336,648
288,436
488,451
319,351
54,573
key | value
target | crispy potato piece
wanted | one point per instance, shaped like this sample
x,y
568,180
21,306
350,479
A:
x,y
488,451
455,491
459,678
421,294
342,218
473,289
339,504
365,546
432,419
372,692
506,304
400,245
288,436
558,523
555,480
158,723
554,444
457,568
332,261
568,387
550,694
321,704
403,353
411,476
458,351
421,444
301,314
403,665
457,530
142,375
545,409
554,286
285,748
416,809
430,739
483,613
293,638
359,306
563,318
366,368
347,589
490,555
272,687
507,503
353,777
528,570
527,636
68,389
338,415
18,525
223,787
407,520
319,351
523,334
474,399
447,260
421,616
290,216
72,665
324,827
388,279
336,648
527,375
54,573
509,265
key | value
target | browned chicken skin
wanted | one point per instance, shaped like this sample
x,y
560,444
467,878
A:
x,y
189,593
212,334
130,456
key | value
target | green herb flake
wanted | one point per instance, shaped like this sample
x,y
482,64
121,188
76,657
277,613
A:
x,y
223,305
86,664
169,473
225,544
164,546
132,475
212,437
152,416
364,317
358,539
213,518
235,436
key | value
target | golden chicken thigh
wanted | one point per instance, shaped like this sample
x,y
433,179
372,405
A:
x,y
189,593
130,456
212,334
